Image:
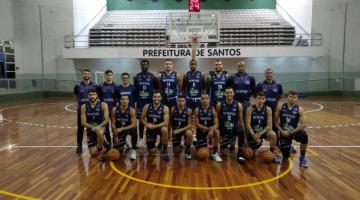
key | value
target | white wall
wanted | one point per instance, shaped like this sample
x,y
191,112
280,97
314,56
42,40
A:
x,y
86,14
6,20
298,13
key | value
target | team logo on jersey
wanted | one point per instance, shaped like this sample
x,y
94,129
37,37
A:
x,y
275,90
247,82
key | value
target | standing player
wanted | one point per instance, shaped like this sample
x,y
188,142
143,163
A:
x,y
144,83
95,116
81,94
231,123
194,83
155,117
243,84
216,83
259,125
181,122
126,89
290,121
169,82
123,122
106,93
207,123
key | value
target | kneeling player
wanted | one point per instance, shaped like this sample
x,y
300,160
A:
x,y
155,117
290,121
207,123
181,122
94,116
123,122
259,125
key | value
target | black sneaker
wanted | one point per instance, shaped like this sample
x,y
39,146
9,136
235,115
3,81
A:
x,y
78,149
165,156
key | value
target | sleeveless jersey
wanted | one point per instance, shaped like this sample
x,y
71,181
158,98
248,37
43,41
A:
x,y
144,86
82,91
258,119
155,116
193,84
129,91
206,118
179,120
169,86
94,116
122,118
229,115
217,87
107,94
289,118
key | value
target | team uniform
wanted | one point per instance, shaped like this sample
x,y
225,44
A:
x,y
205,119
169,88
144,88
229,123
94,116
81,90
107,95
258,123
179,120
193,87
289,120
123,119
217,88
128,91
154,116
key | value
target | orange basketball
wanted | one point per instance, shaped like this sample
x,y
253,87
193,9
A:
x,y
267,157
202,153
113,154
259,152
248,153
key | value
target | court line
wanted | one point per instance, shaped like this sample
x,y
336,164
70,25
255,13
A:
x,y
68,109
315,110
203,188
17,195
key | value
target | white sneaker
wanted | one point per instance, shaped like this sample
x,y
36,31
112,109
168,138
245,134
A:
x,y
133,154
141,143
216,157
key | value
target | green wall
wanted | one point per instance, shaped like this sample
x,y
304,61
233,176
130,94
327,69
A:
x,y
172,4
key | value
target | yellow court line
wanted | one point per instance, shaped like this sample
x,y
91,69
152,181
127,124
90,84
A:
x,y
17,195
313,153
203,188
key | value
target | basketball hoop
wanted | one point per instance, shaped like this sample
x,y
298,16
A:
x,y
195,40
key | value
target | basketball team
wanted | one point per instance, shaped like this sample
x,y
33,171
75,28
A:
x,y
215,107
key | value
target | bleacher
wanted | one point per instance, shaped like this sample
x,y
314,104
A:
x,y
150,28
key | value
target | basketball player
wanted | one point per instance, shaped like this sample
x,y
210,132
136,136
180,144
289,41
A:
x,y
123,122
259,125
215,83
243,84
207,123
106,92
194,84
169,82
126,89
81,95
95,116
181,122
144,83
290,121
231,123
155,117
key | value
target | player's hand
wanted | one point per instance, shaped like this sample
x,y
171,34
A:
x,y
176,132
119,130
285,133
150,126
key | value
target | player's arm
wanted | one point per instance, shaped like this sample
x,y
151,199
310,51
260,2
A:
x,y
179,81
76,93
143,115
268,123
248,121
132,120
216,119
158,80
302,125
277,118
105,110
197,121
184,84
218,108
241,120
171,116
166,119
252,86
203,83
113,120
188,127
207,83
155,82
280,92
83,118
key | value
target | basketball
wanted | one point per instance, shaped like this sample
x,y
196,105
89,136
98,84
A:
x,y
202,153
113,154
248,153
267,157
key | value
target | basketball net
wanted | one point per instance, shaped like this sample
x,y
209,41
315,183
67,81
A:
x,y
195,43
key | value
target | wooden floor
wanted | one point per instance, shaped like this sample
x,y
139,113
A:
x,y
41,161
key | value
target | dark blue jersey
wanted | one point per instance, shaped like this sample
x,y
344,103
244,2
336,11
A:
x,y
289,118
122,119
193,84
206,118
243,85
258,119
217,87
155,116
144,84
229,115
95,115
273,92
169,86
81,90
129,91
107,94
179,119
